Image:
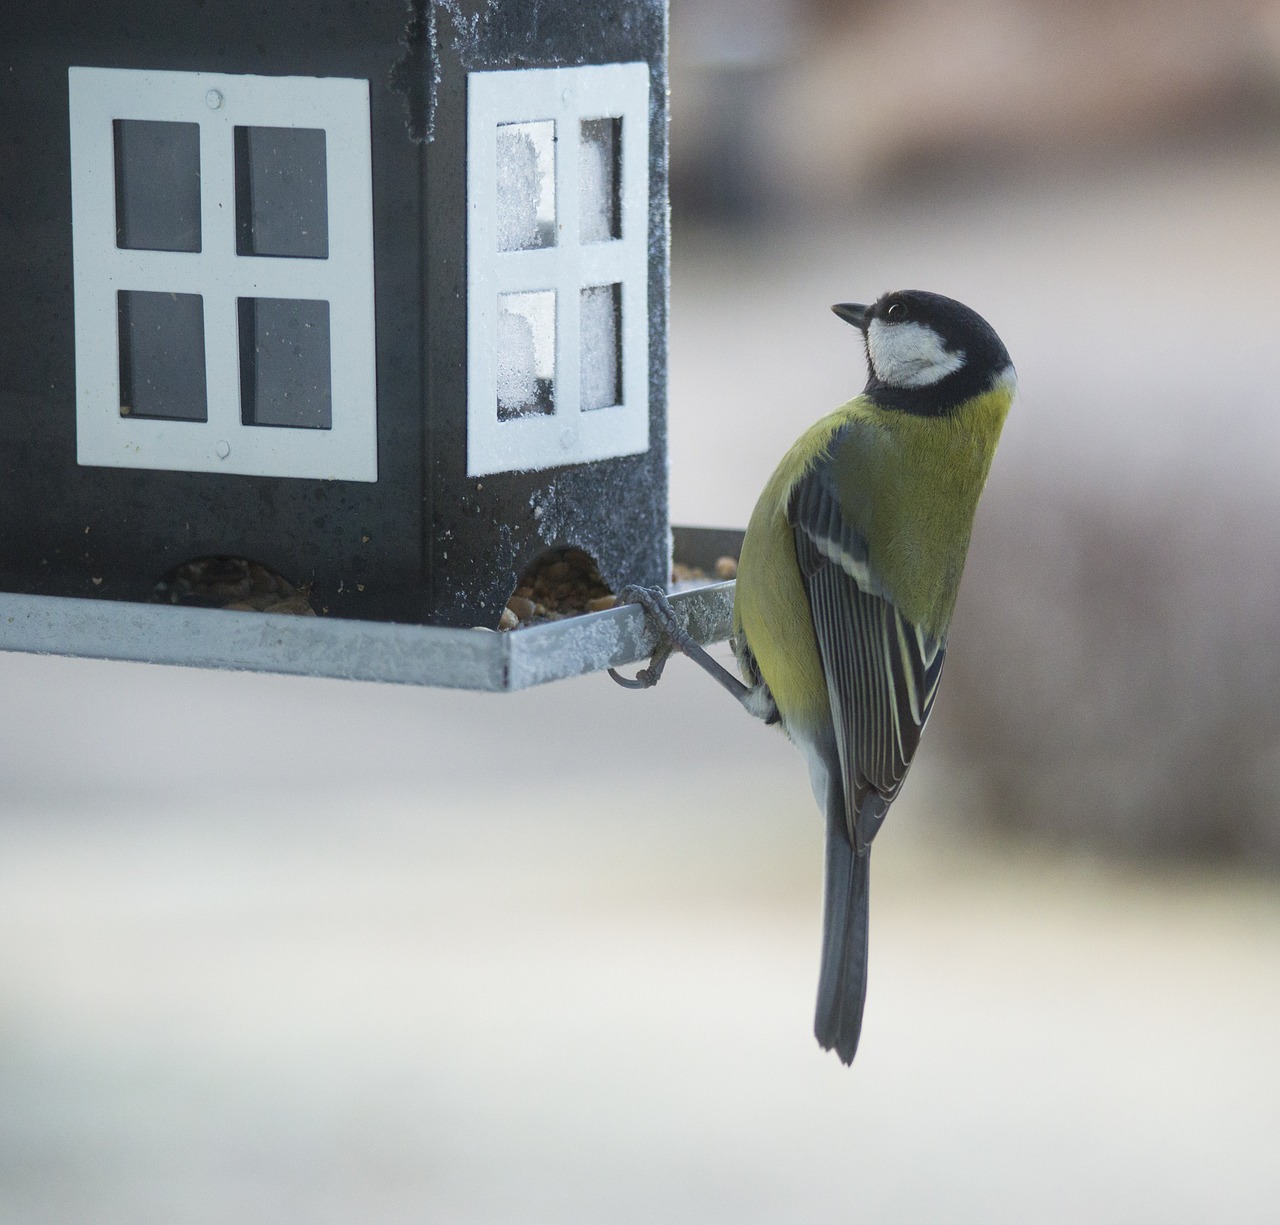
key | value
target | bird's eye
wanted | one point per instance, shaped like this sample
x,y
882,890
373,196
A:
x,y
896,312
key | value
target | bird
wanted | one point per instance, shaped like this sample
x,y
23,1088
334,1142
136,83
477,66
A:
x,y
846,585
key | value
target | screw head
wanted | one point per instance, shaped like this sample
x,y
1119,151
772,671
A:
x,y
213,99
223,449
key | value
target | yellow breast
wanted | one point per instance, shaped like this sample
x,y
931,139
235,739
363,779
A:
x,y
771,608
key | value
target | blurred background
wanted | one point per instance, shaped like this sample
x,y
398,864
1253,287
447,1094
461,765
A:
x,y
1101,181
289,949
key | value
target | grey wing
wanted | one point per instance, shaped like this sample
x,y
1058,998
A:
x,y
882,671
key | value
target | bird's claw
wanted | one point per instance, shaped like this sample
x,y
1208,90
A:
x,y
655,604
646,678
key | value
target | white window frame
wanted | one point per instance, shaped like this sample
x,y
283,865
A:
x,y
568,435
219,103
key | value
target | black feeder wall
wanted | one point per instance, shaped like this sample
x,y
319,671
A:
x,y
373,294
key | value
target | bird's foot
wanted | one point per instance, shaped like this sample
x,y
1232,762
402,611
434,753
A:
x,y
671,636
656,605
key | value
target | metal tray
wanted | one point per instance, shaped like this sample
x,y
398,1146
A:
x,y
370,650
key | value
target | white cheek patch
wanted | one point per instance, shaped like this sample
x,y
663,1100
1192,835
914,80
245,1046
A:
x,y
910,354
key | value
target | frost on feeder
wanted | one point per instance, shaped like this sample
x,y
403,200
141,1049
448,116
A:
x,y
376,304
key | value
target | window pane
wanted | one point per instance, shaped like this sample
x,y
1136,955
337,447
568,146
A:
x,y
601,350
599,179
526,185
284,363
526,353
157,185
162,355
282,202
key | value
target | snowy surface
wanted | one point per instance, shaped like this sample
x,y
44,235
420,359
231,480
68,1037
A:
x,y
526,352
526,185
517,383
598,179
601,382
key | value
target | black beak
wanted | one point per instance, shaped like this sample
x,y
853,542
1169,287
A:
x,y
855,313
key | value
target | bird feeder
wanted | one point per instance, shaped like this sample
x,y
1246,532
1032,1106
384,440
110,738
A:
x,y
370,299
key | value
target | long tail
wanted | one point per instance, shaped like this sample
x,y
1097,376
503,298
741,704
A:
x,y
842,986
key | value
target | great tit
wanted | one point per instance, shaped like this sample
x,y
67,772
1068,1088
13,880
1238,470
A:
x,y
846,584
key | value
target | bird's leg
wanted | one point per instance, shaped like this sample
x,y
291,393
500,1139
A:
x,y
674,637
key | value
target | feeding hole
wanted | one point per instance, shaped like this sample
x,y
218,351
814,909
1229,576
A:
x,y
233,583
561,583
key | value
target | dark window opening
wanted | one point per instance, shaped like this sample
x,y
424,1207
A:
x,y
282,196
157,185
284,363
162,371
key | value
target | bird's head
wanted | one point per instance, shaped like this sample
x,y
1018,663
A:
x,y
927,354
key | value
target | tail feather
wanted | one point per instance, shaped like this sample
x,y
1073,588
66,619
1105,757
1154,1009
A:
x,y
842,985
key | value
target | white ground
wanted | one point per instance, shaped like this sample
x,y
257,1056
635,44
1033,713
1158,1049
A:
x,y
578,987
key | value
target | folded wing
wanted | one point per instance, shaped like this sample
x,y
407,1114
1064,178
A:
x,y
882,671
